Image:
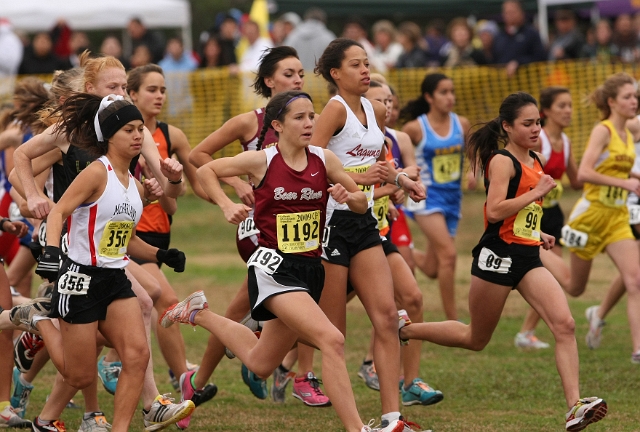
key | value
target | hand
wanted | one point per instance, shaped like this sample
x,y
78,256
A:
x,y
413,172
152,189
245,193
511,68
632,185
173,258
171,169
49,263
548,241
17,228
393,212
38,206
416,190
339,193
398,197
545,184
236,213
377,173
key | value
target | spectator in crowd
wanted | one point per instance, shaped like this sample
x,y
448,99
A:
x,y
434,40
10,56
310,37
176,59
250,59
229,36
636,23
39,57
61,37
211,51
409,36
601,50
487,31
625,40
568,41
460,50
140,35
111,46
141,56
283,26
78,43
355,29
386,50
519,43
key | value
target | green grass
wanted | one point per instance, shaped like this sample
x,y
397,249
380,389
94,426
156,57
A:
x,y
499,389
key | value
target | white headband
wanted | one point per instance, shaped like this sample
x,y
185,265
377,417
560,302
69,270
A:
x,y
106,101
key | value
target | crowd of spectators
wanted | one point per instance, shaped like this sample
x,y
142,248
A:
x,y
236,41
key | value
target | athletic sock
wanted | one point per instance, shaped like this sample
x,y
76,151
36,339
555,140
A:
x,y
367,362
283,369
23,381
88,415
193,381
389,417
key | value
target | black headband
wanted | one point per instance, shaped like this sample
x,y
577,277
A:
x,y
118,119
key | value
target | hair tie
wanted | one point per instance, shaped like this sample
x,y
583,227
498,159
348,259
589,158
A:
x,y
106,101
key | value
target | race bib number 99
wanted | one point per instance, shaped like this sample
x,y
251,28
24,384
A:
x,y
265,259
74,283
298,232
368,190
489,261
446,168
115,239
527,223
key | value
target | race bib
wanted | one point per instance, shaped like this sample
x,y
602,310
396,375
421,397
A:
x,y
298,232
413,206
265,259
573,238
634,214
551,199
527,223
42,234
64,244
612,196
489,261
74,283
368,190
380,209
326,235
446,168
115,239
247,228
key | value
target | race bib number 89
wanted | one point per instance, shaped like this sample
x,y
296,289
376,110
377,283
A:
x,y
489,261
115,239
265,259
74,283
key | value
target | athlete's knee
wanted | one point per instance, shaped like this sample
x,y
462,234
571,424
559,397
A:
x,y
332,343
80,378
564,327
385,321
447,258
412,301
135,357
478,343
146,305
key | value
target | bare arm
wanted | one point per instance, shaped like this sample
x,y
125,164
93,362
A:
x,y
180,146
355,199
11,137
332,118
572,171
163,170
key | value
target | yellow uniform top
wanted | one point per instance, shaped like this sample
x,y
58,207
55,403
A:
x,y
615,161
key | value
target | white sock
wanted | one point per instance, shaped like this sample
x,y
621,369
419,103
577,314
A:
x,y
23,381
395,415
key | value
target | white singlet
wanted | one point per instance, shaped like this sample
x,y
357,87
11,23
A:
x,y
99,232
545,147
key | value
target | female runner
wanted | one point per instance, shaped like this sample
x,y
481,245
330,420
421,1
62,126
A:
x,y
93,293
351,127
280,70
508,255
600,220
285,274
439,137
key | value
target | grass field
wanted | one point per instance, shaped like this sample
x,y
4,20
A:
x,y
499,389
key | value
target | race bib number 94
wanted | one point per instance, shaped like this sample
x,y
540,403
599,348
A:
x,y
115,239
489,261
74,283
265,259
298,232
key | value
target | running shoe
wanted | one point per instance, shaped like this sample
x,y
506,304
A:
x,y
385,426
584,412
50,426
420,393
594,335
308,390
164,412
410,426
95,422
528,340
45,289
181,312
25,350
24,313
109,373
198,397
21,393
9,418
635,357
257,385
205,395
403,321
251,324
368,373
280,382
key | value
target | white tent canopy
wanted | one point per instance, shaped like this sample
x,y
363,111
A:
x,y
41,15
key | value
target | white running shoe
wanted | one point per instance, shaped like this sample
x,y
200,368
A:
x,y
635,357
10,418
529,340
164,412
96,422
385,426
584,412
181,312
594,335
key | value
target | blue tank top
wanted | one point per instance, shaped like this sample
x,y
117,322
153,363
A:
x,y
441,157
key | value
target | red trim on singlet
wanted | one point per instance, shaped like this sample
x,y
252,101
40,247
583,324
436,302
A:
x,y
93,211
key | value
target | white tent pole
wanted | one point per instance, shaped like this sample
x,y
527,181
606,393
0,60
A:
x,y
543,22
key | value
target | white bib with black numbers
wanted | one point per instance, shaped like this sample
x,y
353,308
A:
x,y
265,259
489,261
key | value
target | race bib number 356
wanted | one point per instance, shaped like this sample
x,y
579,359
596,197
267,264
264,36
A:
x,y
115,239
298,232
74,283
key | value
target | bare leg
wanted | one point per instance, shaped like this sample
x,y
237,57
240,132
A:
x,y
612,297
305,359
290,359
580,270
19,272
407,254
6,342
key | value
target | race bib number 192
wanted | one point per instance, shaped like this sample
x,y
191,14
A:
x,y
265,259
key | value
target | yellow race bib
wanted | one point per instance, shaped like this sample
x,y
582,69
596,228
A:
x,y
527,223
368,190
446,168
380,209
115,238
298,232
612,196
551,199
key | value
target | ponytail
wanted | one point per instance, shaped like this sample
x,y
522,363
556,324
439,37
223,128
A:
x,y
415,108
